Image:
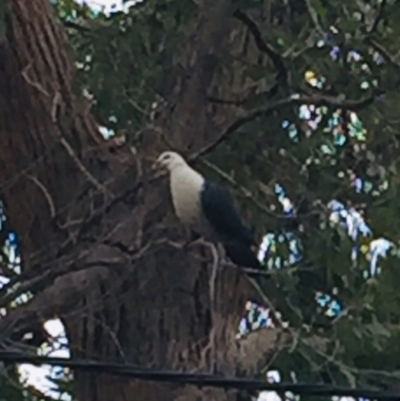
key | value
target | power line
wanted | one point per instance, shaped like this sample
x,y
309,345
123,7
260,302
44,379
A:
x,y
199,380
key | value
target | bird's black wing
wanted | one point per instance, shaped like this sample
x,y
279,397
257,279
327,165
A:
x,y
220,212
242,255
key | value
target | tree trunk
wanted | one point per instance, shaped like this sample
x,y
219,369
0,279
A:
x,y
95,224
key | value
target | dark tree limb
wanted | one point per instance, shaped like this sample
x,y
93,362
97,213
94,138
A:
x,y
74,25
276,58
378,17
268,94
292,100
57,299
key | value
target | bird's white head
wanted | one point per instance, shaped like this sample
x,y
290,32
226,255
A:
x,y
170,161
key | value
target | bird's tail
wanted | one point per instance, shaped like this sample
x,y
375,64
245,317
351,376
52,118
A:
x,y
242,255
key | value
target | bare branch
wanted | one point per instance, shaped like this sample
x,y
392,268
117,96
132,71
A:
x,y
83,169
46,194
38,86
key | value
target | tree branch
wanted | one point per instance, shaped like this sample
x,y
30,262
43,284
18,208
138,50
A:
x,y
384,52
292,100
378,17
268,94
56,300
74,25
277,60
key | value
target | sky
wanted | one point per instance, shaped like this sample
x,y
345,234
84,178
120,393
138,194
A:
x,y
107,5
99,4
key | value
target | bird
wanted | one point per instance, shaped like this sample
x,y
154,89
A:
x,y
207,209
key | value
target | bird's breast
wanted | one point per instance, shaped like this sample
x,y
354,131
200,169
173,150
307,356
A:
x,y
186,199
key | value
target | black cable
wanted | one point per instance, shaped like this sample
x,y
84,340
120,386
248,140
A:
x,y
200,380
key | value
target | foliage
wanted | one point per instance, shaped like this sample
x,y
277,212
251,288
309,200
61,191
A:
x,y
340,49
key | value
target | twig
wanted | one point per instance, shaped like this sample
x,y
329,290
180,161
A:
x,y
56,103
36,85
314,17
113,338
256,272
83,169
45,193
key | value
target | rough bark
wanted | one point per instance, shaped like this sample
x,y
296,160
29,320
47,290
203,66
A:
x,y
94,232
